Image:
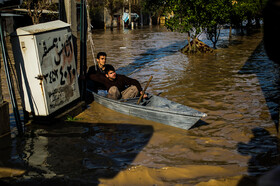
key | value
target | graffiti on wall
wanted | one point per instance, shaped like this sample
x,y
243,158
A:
x,y
59,69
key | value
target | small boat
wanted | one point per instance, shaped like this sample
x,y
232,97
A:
x,y
154,108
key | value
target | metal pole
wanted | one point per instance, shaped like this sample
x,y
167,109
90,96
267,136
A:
x,y
1,95
9,81
83,48
129,11
85,44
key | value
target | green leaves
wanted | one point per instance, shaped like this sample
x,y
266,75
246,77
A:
x,y
196,16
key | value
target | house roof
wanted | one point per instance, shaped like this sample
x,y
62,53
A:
x,y
9,15
4,4
44,11
57,1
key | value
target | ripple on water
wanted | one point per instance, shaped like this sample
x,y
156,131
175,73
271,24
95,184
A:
x,y
237,87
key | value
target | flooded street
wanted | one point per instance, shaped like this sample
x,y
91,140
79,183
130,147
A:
x,y
237,87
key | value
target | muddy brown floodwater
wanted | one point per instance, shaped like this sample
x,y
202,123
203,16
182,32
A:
x,y
237,86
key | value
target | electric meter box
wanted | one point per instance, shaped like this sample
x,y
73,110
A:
x,y
46,67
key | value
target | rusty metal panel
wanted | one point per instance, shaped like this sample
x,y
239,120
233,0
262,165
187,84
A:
x,y
47,67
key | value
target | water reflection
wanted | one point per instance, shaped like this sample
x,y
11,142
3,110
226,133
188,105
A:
x,y
268,75
150,56
235,86
75,152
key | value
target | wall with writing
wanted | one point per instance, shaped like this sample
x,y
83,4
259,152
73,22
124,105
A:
x,y
59,72
45,63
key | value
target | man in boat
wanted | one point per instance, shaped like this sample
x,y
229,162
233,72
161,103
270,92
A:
x,y
118,86
96,69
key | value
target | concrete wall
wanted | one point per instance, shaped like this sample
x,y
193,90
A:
x,y
4,118
4,111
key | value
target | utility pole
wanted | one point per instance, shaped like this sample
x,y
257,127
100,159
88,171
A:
x,y
129,11
71,18
141,15
71,14
83,47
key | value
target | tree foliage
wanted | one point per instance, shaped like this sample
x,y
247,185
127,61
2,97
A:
x,y
196,16
155,7
96,9
217,14
246,10
192,17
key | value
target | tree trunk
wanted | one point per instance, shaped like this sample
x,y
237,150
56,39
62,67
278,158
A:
x,y
158,20
141,16
105,18
230,30
36,20
111,20
189,40
150,18
249,23
258,24
196,46
214,45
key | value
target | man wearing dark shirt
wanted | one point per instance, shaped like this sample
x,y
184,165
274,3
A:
x,y
94,69
118,86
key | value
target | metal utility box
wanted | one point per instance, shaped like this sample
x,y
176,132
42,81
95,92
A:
x,y
46,66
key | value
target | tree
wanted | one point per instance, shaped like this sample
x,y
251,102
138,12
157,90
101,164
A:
x,y
113,6
96,9
190,17
247,10
197,16
156,7
217,14
35,8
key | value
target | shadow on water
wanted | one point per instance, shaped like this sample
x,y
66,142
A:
x,y
199,123
267,73
150,56
263,149
73,153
